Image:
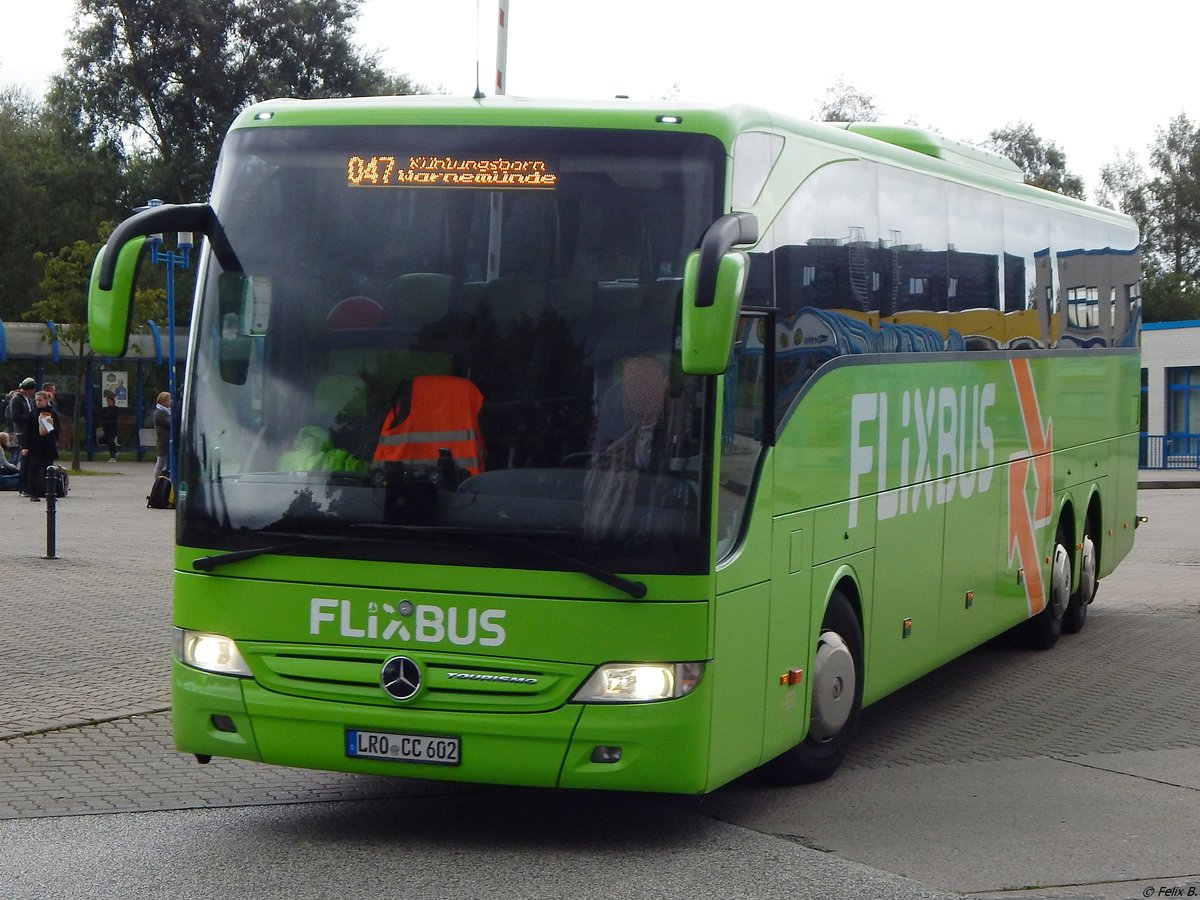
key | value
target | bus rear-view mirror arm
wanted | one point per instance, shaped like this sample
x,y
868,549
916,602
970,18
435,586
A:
x,y
114,273
198,218
714,279
729,231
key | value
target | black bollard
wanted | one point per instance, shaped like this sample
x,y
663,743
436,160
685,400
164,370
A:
x,y
51,509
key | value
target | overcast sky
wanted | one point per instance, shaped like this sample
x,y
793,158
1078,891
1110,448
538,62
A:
x,y
1093,82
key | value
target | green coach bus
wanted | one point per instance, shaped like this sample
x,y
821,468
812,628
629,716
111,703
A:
x,y
613,445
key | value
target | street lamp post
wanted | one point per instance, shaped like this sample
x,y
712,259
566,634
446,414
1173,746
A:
x,y
171,259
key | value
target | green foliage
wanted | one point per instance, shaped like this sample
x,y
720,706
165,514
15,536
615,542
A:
x,y
1123,187
1044,164
845,102
1173,199
1165,202
64,288
164,80
56,186
1170,297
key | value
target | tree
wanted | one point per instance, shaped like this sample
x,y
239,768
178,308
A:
x,y
845,102
164,79
1123,187
1043,163
1170,297
56,186
1166,205
1173,198
64,285
21,202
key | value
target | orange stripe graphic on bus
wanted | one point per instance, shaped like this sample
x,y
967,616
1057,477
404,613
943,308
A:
x,y
1023,522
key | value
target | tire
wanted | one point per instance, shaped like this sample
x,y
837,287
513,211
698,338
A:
x,y
1043,630
1088,562
836,699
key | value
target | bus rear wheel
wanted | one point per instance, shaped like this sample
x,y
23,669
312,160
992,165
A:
x,y
1077,608
836,699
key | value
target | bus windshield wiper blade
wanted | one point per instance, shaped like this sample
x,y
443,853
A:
x,y
635,589
208,563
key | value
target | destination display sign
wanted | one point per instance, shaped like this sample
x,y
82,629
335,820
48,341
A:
x,y
498,173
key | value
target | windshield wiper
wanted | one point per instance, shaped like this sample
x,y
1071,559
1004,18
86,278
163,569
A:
x,y
208,563
635,589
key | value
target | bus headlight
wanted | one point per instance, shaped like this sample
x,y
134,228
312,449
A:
x,y
639,682
210,652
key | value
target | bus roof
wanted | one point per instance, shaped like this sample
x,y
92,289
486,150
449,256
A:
x,y
909,146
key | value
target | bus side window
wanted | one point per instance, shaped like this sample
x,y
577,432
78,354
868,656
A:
x,y
744,424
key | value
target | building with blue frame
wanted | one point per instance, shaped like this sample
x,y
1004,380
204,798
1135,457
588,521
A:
x,y
1170,395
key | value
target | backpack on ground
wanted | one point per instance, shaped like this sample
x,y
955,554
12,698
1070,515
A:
x,y
62,481
162,494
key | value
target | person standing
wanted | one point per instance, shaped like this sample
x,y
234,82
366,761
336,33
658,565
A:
x,y
21,411
52,389
109,424
162,434
39,444
9,426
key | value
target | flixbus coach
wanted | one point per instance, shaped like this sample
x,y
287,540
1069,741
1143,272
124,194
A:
x,y
623,446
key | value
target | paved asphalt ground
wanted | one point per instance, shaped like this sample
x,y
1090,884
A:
x,y
1073,773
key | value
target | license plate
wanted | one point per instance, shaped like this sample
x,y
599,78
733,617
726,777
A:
x,y
437,750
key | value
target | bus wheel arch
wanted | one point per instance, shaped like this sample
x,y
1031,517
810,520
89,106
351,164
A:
x,y
836,683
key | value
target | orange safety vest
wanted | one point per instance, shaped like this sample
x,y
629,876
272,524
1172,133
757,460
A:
x,y
444,413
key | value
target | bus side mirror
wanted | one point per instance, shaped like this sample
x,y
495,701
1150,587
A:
x,y
714,280
110,312
110,294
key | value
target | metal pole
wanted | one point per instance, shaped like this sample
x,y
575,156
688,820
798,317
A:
x,y
51,509
170,261
171,258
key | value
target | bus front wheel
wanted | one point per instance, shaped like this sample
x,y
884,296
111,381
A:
x,y
836,699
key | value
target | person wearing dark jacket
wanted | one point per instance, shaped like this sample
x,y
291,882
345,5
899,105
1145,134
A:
x,y
109,423
162,434
39,444
21,411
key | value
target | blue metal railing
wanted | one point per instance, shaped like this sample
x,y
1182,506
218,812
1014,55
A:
x,y
1169,451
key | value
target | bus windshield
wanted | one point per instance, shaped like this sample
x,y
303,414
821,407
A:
x,y
448,344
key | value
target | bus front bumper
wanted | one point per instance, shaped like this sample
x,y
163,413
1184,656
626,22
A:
x,y
659,746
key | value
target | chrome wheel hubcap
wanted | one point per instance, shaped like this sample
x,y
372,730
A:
x,y
834,685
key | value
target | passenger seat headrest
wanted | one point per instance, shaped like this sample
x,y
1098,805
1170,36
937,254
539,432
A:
x,y
354,312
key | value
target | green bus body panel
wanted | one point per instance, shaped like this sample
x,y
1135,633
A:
x,y
927,451
536,628
471,580
742,620
723,123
